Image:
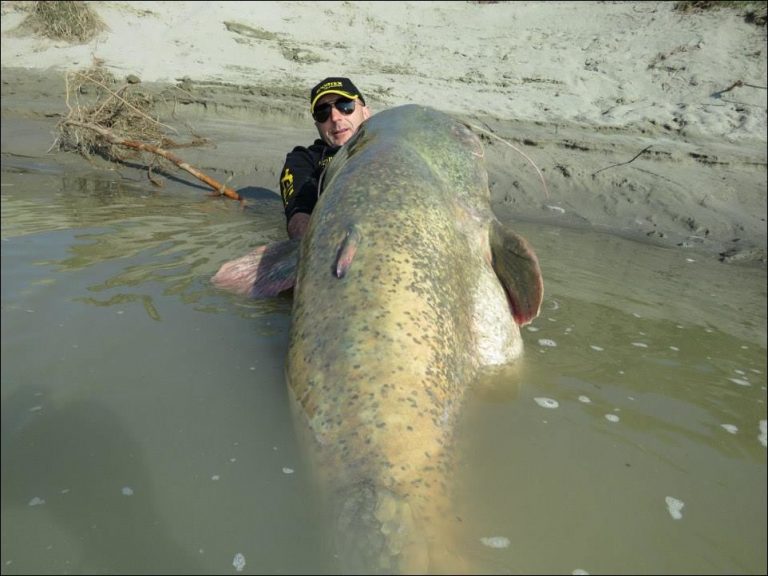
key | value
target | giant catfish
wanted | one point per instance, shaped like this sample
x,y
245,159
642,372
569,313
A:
x,y
406,286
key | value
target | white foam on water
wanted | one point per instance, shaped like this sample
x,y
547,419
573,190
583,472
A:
x,y
596,348
740,381
763,436
126,491
640,344
287,470
532,328
215,477
547,342
584,399
36,501
675,348
546,402
579,572
495,541
238,562
675,507
732,428
612,418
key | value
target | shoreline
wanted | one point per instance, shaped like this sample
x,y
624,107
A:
x,y
646,121
661,197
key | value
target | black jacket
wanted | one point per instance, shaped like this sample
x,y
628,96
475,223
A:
x,y
300,177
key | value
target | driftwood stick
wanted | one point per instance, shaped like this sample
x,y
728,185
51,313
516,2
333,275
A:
x,y
222,189
635,157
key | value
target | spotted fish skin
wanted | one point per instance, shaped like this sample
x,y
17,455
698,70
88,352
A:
x,y
406,286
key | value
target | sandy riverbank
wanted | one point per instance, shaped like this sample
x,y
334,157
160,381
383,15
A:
x,y
621,105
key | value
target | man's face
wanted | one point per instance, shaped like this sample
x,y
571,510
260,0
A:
x,y
339,127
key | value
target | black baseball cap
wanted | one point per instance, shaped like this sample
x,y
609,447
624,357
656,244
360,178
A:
x,y
334,85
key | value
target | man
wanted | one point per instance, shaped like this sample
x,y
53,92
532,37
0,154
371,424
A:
x,y
338,109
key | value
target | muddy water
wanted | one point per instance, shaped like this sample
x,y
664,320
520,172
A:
x,y
145,424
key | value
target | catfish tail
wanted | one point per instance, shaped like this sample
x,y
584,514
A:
x,y
377,534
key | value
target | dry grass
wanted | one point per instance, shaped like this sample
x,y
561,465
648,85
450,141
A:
x,y
93,98
753,12
71,21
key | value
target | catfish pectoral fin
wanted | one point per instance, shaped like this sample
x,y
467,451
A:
x,y
346,252
517,267
264,272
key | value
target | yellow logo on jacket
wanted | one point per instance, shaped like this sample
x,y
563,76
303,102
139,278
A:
x,y
286,186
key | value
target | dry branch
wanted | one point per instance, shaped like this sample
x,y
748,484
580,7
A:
x,y
117,119
136,145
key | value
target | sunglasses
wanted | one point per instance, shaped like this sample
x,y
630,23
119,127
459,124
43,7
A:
x,y
323,111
